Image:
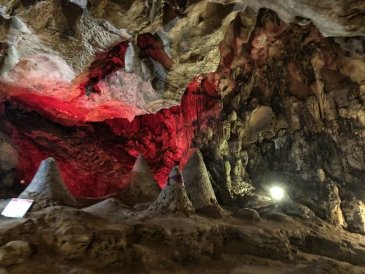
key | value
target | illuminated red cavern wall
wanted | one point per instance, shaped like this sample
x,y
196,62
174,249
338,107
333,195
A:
x,y
95,157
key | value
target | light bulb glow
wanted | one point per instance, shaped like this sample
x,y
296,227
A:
x,y
277,193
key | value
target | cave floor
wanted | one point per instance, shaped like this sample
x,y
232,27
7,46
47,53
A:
x,y
68,240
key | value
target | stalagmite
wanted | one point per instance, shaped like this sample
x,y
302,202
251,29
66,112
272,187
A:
x,y
47,187
173,198
142,185
199,187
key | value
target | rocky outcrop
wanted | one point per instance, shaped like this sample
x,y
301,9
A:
x,y
173,198
109,209
354,213
199,188
141,185
47,187
340,18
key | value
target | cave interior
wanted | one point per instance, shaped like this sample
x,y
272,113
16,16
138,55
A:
x,y
183,136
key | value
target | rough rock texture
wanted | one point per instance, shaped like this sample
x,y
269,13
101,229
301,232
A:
x,y
173,198
198,186
269,91
332,18
14,252
248,214
110,209
8,163
47,188
281,102
354,212
141,185
67,240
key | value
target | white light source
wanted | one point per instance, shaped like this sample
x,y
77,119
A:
x,y
277,193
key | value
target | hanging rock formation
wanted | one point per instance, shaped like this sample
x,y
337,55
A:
x,y
199,187
173,198
47,187
142,186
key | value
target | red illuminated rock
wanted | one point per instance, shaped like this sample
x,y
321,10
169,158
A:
x,y
173,198
47,187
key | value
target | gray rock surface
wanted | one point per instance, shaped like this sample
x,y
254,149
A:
x,y
199,188
173,198
110,209
331,17
47,187
142,186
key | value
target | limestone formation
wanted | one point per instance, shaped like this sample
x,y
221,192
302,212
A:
x,y
142,186
110,209
47,187
354,213
173,198
257,87
199,188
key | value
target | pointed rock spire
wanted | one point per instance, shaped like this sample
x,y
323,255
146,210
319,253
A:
x,y
111,209
142,186
199,187
173,198
47,187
